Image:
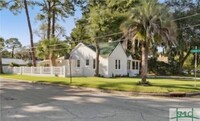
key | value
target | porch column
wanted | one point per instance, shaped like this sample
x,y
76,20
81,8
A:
x,y
138,65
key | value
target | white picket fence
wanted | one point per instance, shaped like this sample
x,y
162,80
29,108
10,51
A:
x,y
7,69
62,71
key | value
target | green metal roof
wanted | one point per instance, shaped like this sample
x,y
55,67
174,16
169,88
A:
x,y
105,48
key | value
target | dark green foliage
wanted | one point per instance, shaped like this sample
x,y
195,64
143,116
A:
x,y
54,10
13,64
2,43
187,37
52,49
79,33
160,68
1,49
29,64
6,54
13,43
151,24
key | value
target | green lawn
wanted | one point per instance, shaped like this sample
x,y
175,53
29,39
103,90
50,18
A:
x,y
122,84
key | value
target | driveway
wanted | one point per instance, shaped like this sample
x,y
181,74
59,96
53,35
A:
x,y
22,101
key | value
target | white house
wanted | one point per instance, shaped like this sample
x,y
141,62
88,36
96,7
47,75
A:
x,y
8,61
113,60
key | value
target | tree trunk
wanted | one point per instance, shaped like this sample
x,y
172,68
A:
x,y
49,20
53,20
144,63
97,58
1,66
30,33
13,49
53,60
182,59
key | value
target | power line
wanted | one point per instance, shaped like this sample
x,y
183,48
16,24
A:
x,y
122,32
89,38
107,36
29,50
112,35
195,25
186,17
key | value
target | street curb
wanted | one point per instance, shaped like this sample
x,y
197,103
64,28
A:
x,y
122,93
173,77
192,94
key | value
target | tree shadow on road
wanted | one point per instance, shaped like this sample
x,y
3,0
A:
x,y
22,101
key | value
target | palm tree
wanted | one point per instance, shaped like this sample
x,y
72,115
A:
x,y
51,49
151,24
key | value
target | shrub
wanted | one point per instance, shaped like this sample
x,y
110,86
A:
x,y
160,68
29,64
13,64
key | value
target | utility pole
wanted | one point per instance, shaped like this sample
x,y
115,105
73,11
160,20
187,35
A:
x,y
195,51
70,69
195,73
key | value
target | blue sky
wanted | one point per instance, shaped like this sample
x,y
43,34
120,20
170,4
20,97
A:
x,y
16,25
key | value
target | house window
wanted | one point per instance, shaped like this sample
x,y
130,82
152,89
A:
x,y
137,65
87,62
129,64
133,65
78,63
117,64
94,64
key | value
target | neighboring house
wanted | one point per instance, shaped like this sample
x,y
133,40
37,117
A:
x,y
61,61
8,61
162,58
113,61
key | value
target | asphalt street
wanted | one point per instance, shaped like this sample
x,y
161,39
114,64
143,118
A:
x,y
22,101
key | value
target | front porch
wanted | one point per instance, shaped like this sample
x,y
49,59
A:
x,y
133,67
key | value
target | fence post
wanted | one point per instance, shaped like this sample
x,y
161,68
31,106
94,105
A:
x,y
31,70
23,70
41,70
64,70
20,68
13,70
51,70
61,71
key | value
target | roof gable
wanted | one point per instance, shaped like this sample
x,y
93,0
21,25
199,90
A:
x,y
105,48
